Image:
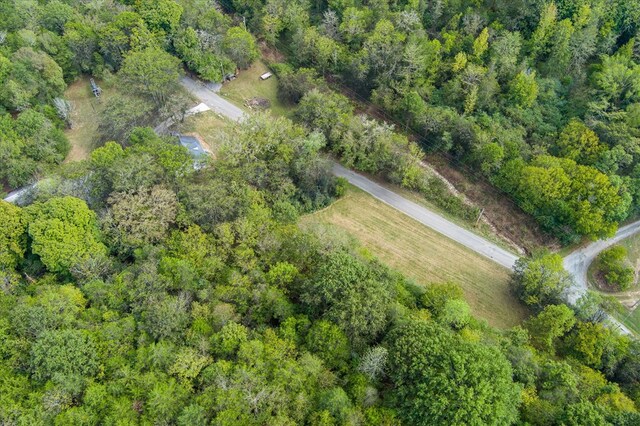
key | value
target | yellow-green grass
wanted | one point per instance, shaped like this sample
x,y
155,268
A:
x,y
248,85
208,125
85,117
631,319
423,254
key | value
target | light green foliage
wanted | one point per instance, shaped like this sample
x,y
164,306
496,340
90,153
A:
x,y
125,32
212,66
588,343
329,343
229,339
63,232
481,43
350,294
151,72
188,364
33,77
161,16
240,46
553,322
579,143
540,280
209,305
135,219
13,240
478,390
524,89
612,264
456,313
560,192
63,353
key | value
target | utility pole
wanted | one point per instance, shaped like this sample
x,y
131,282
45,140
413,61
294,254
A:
x,y
244,22
479,216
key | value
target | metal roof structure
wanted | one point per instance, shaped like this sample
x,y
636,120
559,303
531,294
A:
x,y
193,145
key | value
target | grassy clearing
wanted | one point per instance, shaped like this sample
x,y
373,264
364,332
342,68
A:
x,y
208,125
85,117
248,85
423,254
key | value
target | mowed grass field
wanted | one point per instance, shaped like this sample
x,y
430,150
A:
x,y
424,255
248,85
85,117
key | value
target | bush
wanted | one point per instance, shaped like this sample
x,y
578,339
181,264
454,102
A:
x,y
613,267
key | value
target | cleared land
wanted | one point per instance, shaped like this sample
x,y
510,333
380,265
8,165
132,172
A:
x,y
207,125
85,117
248,86
424,255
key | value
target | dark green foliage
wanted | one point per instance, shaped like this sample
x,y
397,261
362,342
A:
x,y
350,293
205,303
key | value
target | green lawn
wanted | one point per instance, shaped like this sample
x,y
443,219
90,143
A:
x,y
423,254
248,85
85,117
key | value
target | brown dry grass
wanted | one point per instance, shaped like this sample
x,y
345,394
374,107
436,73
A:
x,y
424,255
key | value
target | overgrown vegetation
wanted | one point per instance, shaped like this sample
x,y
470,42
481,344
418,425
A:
x,y
135,289
612,264
535,96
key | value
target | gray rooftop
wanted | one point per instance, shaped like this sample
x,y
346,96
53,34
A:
x,y
193,145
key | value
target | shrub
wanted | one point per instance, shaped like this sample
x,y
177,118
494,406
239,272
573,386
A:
x,y
613,267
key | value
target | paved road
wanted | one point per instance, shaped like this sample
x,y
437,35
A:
x,y
429,218
577,263
212,99
15,195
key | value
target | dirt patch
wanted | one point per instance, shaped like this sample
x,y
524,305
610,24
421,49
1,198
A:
x,y
499,210
269,54
258,103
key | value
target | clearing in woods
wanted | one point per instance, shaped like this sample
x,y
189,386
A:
x,y
424,255
248,86
85,116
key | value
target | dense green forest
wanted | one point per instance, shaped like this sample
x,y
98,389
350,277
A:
x,y
540,97
135,289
